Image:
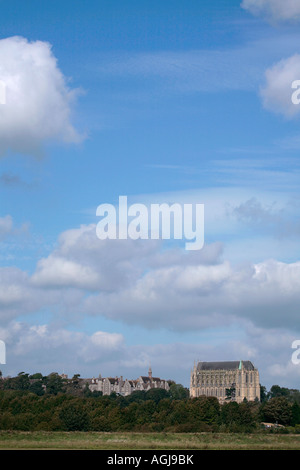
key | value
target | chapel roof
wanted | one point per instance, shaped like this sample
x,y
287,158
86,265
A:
x,y
225,365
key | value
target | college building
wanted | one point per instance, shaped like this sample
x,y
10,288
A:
x,y
231,380
107,385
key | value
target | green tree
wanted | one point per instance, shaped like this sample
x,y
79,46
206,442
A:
x,y
295,414
230,415
277,410
203,409
74,417
178,392
239,417
21,382
277,391
156,394
264,395
37,388
137,396
295,395
247,417
180,413
230,393
36,376
54,383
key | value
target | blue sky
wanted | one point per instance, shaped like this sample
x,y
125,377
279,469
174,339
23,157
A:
x,y
160,101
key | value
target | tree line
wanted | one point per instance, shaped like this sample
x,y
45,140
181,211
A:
x,y
51,403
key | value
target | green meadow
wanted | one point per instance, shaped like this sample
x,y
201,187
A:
x,y
19,440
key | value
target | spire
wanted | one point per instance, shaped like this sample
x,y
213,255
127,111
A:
x,y
150,372
240,366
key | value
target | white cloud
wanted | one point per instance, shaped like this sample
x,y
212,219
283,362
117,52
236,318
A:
x,y
17,296
38,100
52,348
45,338
59,272
277,91
139,283
196,297
276,10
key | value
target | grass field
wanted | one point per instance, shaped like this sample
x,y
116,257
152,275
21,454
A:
x,y
147,441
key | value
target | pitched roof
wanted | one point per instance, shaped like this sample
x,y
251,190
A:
x,y
112,380
226,365
145,378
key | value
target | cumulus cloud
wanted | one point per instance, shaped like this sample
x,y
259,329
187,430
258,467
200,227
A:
x,y
277,91
139,283
197,297
17,296
60,272
85,347
58,348
81,260
38,101
276,10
